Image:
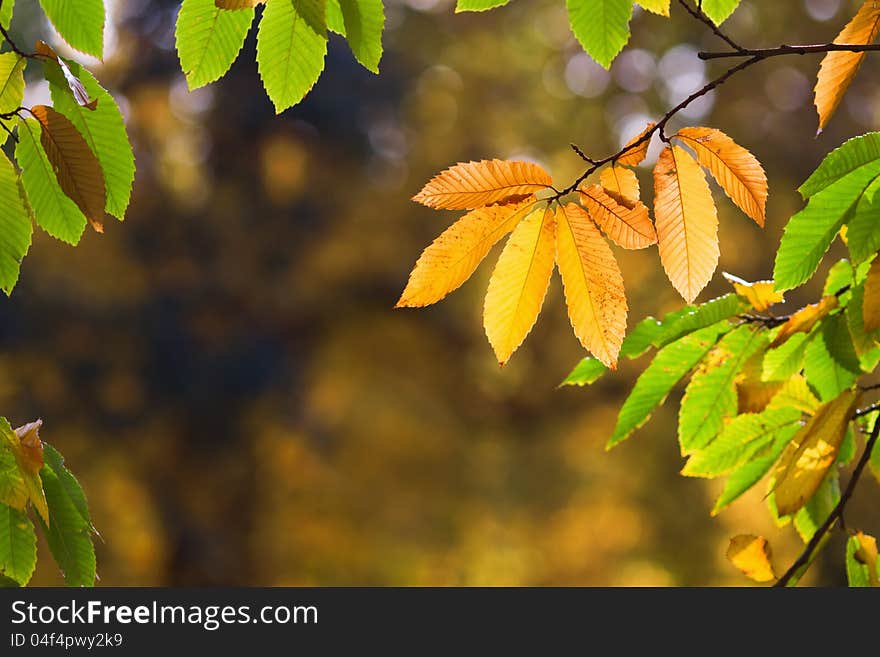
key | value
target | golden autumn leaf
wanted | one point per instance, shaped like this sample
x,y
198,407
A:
x,y
621,184
736,170
871,307
811,453
805,319
867,554
752,393
474,184
687,222
519,283
593,284
760,295
839,68
751,554
451,258
636,155
76,167
630,228
660,7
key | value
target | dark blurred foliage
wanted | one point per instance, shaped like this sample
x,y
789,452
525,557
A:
x,y
226,375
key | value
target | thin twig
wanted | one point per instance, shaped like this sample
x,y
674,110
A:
x,y
765,53
836,513
700,15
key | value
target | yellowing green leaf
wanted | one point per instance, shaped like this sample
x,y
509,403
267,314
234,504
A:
x,y
471,185
751,554
593,284
660,7
760,295
805,319
519,283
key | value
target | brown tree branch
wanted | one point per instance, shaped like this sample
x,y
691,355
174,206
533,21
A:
x,y
764,53
698,13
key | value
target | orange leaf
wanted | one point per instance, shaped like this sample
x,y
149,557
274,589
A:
x,y
630,228
804,319
593,284
871,307
519,283
76,167
636,155
736,170
751,554
760,295
621,184
475,184
451,258
839,68
687,223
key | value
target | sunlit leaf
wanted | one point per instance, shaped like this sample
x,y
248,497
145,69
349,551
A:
x,y
361,22
861,560
478,5
660,7
805,319
471,185
635,154
751,554
621,184
15,226
18,545
629,227
852,155
787,359
209,40
830,361
11,82
719,10
53,64
79,22
601,26
760,295
871,303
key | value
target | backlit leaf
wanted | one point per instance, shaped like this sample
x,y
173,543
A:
x,y
601,26
478,5
18,545
719,10
593,284
53,64
471,185
786,360
736,170
760,295
629,227
209,40
811,453
361,22
451,259
79,22
15,226
621,184
691,318
687,223
751,554
830,361
805,319
871,304
660,7
839,68
238,4
861,560
519,283
858,152
636,148
11,82
6,13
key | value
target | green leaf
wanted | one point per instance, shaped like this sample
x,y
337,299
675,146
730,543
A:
x,y
746,476
6,13
588,371
852,155
809,518
291,46
810,232
11,82
692,318
69,533
786,360
669,366
79,22
478,5
831,364
711,395
209,40
15,226
857,574
719,10
865,345
13,491
361,22
601,26
68,482
57,214
839,276
863,233
18,545
103,129
743,439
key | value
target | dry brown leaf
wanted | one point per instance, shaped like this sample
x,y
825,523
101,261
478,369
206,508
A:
x,y
76,167
594,291
839,68
871,307
630,228
475,184
636,155
805,319
621,184
751,554
687,222
451,258
736,170
760,295
519,283
811,453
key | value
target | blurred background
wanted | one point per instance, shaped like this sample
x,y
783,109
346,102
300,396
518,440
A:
x,y
226,375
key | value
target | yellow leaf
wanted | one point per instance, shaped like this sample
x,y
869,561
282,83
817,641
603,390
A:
x,y
519,283
630,228
635,156
811,453
660,7
736,170
760,295
871,308
839,68
475,184
687,223
621,184
867,554
451,258
751,554
805,319
593,284
77,169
